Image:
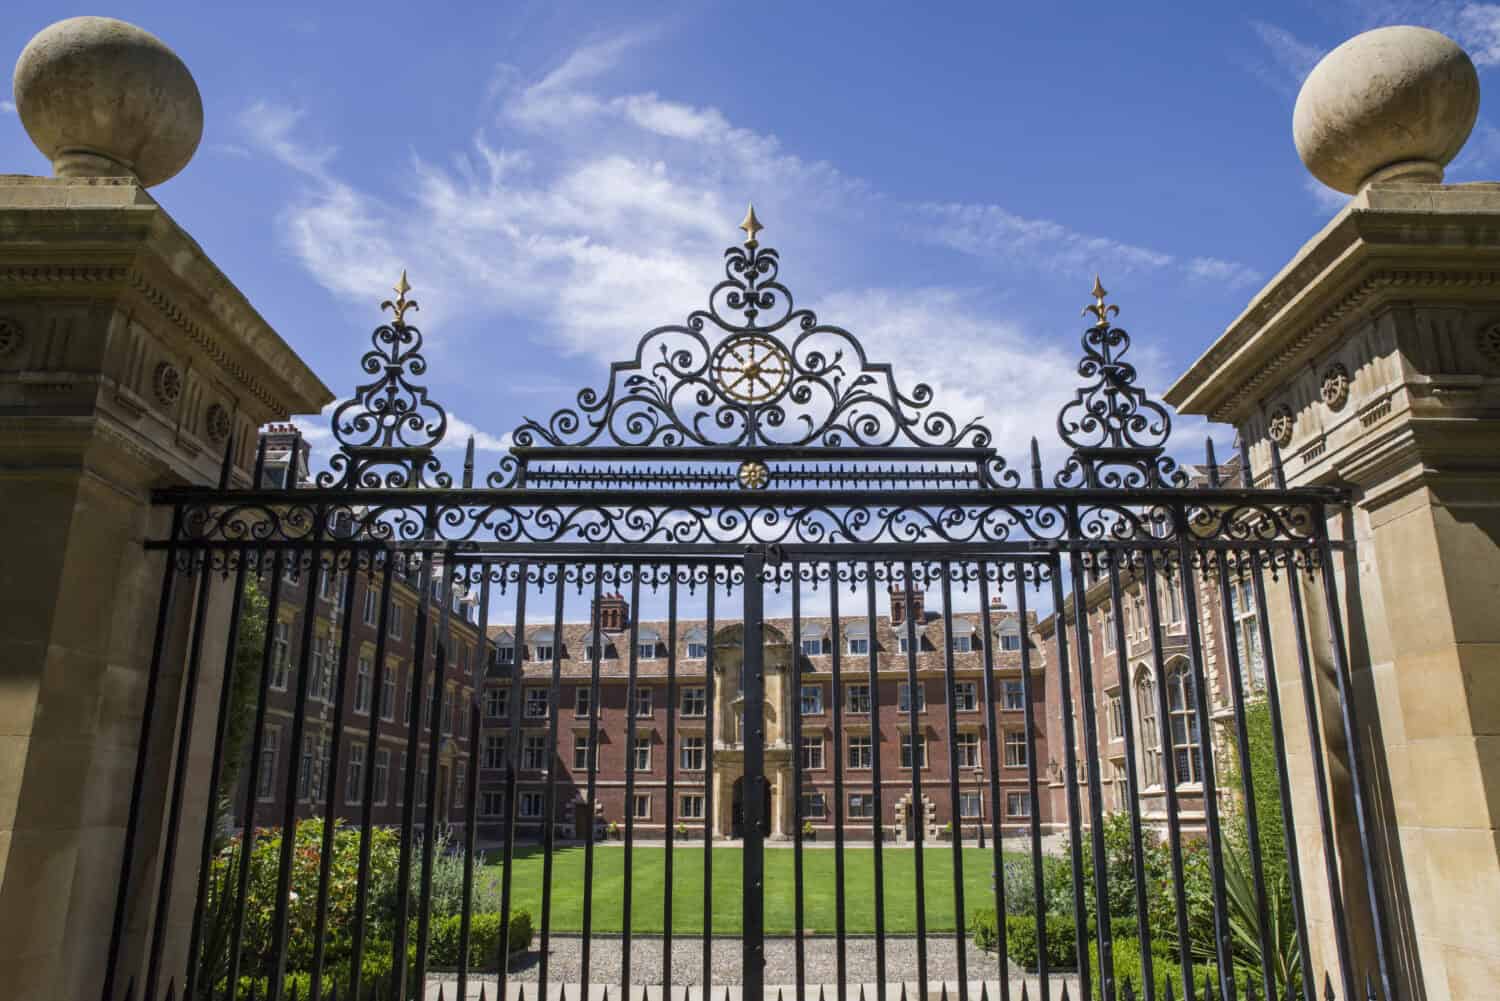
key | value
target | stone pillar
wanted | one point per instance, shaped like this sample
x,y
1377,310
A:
x,y
1373,361
128,362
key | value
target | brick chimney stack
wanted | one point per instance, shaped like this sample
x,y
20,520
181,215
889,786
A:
x,y
612,613
898,604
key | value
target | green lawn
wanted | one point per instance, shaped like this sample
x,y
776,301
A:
x,y
649,864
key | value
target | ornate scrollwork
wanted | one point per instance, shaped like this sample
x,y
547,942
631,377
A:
x,y
1118,434
388,429
752,370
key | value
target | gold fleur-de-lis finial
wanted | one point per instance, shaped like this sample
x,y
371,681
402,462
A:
x,y
1102,310
401,303
752,227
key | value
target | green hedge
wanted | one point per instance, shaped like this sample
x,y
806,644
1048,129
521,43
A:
x,y
1021,938
484,939
1127,957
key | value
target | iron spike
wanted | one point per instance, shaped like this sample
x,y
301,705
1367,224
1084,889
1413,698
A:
x,y
1247,476
943,995
821,996
1023,992
984,990
1212,463
521,991
1169,990
778,995
294,990
903,990
1370,988
861,993
440,991
1036,464
172,990
1128,989
1065,991
130,989
726,994
644,996
1278,474
260,460
469,468
1328,988
481,993
1208,988
606,993
562,993
228,464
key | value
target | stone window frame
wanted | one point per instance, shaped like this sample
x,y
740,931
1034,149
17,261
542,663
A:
x,y
534,752
531,796
970,795
692,747
694,702
1016,748
813,752
693,812
868,742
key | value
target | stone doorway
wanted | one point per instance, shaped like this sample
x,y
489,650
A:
x,y
737,809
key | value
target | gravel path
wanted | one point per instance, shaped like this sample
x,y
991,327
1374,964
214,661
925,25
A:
x,y
687,969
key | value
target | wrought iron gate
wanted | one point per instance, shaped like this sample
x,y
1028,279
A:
x,y
751,453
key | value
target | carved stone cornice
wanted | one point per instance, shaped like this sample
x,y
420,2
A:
x,y
1392,242
108,240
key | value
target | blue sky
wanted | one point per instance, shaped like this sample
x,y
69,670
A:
x,y
942,179
557,178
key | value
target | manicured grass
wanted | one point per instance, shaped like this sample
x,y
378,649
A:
x,y
649,876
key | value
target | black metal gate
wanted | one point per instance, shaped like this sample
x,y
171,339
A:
x,y
749,454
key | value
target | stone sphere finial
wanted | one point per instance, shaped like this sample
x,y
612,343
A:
x,y
1391,103
103,98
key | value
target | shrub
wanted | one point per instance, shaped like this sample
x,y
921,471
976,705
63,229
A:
x,y
484,939
1127,965
1021,940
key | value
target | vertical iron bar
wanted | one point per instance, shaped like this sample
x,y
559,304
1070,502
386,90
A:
x,y
1168,771
754,949
708,790
872,658
1247,781
549,793
221,728
1352,731
913,692
671,815
840,740
137,788
289,803
1070,779
512,765
471,794
987,690
179,779
435,727
627,890
1278,740
597,651
1091,764
1222,949
960,944
372,749
1029,715
799,915
409,780
1132,778
252,785
331,786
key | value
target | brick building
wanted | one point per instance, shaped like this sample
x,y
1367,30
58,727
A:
x,y
705,719
1154,734
387,706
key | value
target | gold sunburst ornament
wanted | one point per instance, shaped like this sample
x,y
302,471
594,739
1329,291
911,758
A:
x,y
751,367
754,475
401,303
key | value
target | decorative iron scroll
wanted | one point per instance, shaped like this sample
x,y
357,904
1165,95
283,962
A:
x,y
1118,434
388,429
777,377
1220,516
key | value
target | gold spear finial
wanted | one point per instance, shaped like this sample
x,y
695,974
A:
x,y
401,303
1102,311
751,226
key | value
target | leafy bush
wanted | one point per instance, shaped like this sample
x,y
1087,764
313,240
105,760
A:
x,y
1021,938
1126,952
484,939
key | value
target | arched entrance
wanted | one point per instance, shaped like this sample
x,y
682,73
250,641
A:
x,y
737,809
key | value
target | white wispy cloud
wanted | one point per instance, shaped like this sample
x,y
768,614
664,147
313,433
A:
x,y
7,107
1288,59
594,216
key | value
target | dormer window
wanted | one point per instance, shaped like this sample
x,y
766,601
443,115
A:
x,y
814,640
647,642
543,645
697,643
857,639
965,636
